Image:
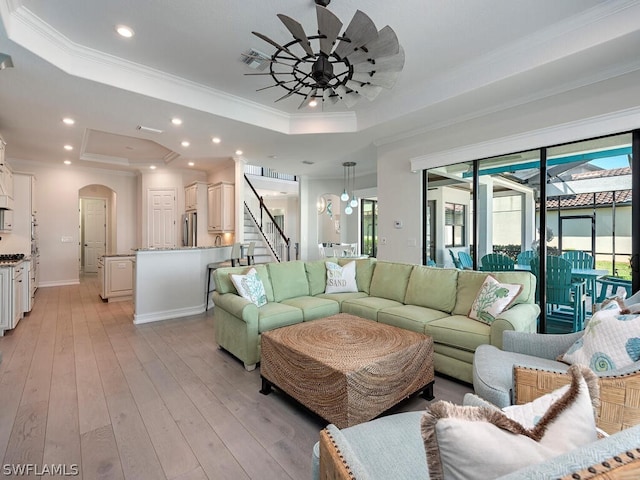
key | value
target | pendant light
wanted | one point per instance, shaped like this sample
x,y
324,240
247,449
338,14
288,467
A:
x,y
345,180
349,181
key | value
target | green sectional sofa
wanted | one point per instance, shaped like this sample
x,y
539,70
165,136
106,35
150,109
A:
x,y
429,300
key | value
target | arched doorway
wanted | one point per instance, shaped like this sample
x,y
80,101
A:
x,y
97,225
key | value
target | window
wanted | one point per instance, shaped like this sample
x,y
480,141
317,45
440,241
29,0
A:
x,y
454,224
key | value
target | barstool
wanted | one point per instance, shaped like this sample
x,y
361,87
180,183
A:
x,y
233,262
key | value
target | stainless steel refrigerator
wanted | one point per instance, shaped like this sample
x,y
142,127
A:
x,y
189,229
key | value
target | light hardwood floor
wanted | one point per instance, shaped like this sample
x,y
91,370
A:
x,y
81,385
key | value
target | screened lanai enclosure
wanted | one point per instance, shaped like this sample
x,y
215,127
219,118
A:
x,y
572,201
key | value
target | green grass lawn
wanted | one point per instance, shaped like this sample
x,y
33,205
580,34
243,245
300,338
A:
x,y
623,268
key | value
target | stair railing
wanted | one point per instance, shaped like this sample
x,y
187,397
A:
x,y
276,240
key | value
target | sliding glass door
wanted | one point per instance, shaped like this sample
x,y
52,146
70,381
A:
x,y
572,200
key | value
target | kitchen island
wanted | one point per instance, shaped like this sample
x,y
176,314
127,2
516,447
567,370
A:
x,y
171,282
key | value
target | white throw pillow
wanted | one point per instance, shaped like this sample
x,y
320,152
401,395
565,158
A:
x,y
341,279
250,286
492,299
611,340
469,443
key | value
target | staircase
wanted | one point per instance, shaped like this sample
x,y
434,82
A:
x,y
262,253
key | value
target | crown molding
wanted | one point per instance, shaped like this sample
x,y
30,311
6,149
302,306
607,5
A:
x,y
600,125
31,32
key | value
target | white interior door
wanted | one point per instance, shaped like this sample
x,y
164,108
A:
x,y
162,218
94,232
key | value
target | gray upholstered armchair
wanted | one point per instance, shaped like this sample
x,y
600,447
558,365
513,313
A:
x,y
526,368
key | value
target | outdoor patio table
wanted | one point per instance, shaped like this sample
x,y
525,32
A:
x,y
583,273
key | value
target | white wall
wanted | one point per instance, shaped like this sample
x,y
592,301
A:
x,y
57,205
310,190
399,199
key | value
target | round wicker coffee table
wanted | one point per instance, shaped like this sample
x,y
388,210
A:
x,y
345,368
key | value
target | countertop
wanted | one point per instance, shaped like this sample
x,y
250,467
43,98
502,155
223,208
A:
x,y
169,249
113,255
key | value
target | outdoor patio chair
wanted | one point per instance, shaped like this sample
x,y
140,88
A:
x,y
431,263
581,259
566,298
456,261
524,258
466,261
496,262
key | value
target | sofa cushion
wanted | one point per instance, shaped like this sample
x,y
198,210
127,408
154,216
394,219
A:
x,y
470,281
390,280
432,288
341,297
289,280
224,284
317,275
341,279
314,307
364,271
458,439
276,315
410,317
459,331
367,307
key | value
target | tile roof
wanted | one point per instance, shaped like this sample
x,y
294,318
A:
x,y
614,172
587,199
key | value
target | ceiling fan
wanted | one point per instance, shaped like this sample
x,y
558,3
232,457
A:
x,y
359,63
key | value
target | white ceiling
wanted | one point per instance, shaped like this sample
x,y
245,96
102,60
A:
x,y
464,59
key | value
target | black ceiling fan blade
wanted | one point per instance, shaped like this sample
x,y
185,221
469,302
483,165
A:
x,y
361,31
279,47
298,33
393,63
384,46
329,27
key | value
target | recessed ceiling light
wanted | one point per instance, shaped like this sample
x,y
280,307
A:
x,y
68,121
67,162
191,164
185,143
68,147
124,31
239,152
152,167
215,140
176,121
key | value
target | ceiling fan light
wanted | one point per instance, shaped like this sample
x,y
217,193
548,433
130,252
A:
x,y
313,103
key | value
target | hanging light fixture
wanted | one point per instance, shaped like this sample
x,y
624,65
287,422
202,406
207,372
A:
x,y
349,183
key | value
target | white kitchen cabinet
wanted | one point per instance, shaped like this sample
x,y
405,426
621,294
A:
x,y
11,296
6,278
18,293
191,197
6,175
221,208
116,277
27,281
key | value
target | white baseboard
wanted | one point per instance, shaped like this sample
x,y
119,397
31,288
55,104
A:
x,y
139,319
